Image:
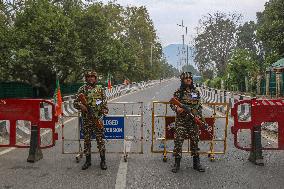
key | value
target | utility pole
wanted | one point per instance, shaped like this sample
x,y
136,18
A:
x,y
151,54
180,59
184,51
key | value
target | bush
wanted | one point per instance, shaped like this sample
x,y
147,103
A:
x,y
207,83
216,83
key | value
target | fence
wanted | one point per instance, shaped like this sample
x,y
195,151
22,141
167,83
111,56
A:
x,y
16,90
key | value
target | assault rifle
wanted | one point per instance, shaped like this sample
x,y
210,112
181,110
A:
x,y
197,119
90,111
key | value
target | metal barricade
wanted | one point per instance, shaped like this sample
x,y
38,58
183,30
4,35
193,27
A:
x,y
123,131
212,140
263,111
18,116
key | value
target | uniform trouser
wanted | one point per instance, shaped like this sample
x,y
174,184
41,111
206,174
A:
x,y
186,129
88,129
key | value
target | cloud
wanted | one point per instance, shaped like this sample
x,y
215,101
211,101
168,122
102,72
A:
x,y
167,13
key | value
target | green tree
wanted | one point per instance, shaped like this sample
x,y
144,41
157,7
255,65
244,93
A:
x,y
215,41
271,27
45,39
6,43
241,65
141,35
247,39
46,45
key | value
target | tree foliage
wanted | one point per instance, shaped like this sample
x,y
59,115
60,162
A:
x,y
271,27
215,41
242,64
247,39
45,39
233,51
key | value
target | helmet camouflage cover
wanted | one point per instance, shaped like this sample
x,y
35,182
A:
x,y
186,75
90,73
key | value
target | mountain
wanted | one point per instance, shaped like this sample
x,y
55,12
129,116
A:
x,y
171,53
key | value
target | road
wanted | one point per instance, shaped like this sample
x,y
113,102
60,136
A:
x,y
147,170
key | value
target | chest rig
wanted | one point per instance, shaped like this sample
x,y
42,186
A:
x,y
94,96
189,97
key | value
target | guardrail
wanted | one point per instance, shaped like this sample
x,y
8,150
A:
x,y
114,92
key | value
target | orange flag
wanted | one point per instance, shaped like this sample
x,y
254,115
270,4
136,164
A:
x,y
109,81
57,99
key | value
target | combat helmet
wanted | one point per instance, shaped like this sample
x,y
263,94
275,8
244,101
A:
x,y
89,73
185,75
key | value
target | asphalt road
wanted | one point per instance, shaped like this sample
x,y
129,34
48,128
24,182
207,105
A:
x,y
147,170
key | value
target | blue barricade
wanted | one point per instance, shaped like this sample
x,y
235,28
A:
x,y
114,128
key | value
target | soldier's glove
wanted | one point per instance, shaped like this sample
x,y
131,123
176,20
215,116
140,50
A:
x,y
105,111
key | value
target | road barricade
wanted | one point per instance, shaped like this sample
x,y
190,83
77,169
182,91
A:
x,y
213,140
123,128
25,123
251,135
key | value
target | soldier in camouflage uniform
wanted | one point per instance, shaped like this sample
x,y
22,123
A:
x,y
185,126
95,97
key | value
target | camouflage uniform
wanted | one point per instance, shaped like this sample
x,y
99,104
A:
x,y
96,99
185,125
93,94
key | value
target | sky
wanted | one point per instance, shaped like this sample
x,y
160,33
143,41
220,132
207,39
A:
x,y
166,14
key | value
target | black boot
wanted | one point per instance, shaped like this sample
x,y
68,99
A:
x,y
103,161
176,165
87,163
196,164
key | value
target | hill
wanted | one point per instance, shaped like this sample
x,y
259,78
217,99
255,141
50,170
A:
x,y
171,53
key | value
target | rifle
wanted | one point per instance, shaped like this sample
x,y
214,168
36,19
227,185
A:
x,y
90,111
197,119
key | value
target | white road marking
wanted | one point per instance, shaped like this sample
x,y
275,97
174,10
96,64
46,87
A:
x,y
67,121
120,182
6,151
122,170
